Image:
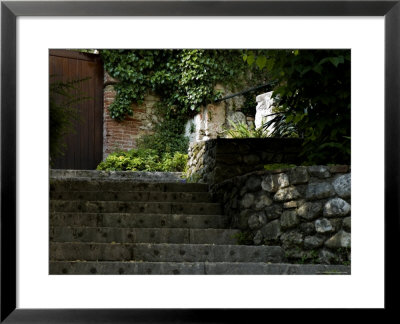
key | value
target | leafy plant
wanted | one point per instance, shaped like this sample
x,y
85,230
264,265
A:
x,y
144,160
184,79
313,99
168,135
242,130
63,113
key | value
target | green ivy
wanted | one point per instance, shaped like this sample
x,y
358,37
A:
x,y
168,135
184,79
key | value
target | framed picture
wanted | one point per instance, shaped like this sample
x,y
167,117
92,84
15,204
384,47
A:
x,y
224,10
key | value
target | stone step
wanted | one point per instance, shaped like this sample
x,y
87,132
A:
x,y
143,235
138,220
194,268
138,176
135,207
138,196
164,252
124,185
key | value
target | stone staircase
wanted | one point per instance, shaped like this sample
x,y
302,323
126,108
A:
x,y
125,223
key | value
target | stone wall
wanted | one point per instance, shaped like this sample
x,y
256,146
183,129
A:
x,y
124,135
306,210
219,159
265,105
212,121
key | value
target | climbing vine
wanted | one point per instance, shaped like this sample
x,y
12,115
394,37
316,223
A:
x,y
183,79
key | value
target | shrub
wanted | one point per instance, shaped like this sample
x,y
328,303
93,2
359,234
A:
x,y
144,160
313,95
168,136
242,130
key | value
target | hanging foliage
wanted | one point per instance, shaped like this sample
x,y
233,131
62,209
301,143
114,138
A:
x,y
312,99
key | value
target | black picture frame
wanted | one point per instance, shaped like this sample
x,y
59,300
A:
x,y
10,10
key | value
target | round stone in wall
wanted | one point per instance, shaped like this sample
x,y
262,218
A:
x,y
289,219
299,175
286,194
257,220
283,180
237,117
319,190
309,210
268,184
336,207
312,242
262,200
341,239
323,225
342,185
247,200
292,238
272,230
273,212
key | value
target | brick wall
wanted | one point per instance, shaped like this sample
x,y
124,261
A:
x,y
124,135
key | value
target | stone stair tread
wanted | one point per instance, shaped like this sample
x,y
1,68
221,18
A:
x,y
141,220
124,185
142,235
139,196
204,208
164,252
194,268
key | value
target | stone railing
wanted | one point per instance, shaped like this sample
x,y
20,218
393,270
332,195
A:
x,y
216,160
306,210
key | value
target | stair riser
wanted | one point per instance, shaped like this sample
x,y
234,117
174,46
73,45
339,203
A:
x,y
117,175
164,252
128,207
143,235
138,220
135,196
86,185
129,268
198,268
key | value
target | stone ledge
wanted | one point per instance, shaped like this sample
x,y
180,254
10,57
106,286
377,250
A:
x,y
194,268
216,160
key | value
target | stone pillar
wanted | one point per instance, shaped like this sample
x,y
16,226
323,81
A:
x,y
264,107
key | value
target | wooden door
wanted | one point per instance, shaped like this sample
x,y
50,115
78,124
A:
x,y
84,146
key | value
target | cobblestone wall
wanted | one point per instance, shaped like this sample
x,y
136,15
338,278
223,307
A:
x,y
216,160
306,210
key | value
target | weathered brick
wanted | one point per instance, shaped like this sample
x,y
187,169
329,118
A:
x,y
125,134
